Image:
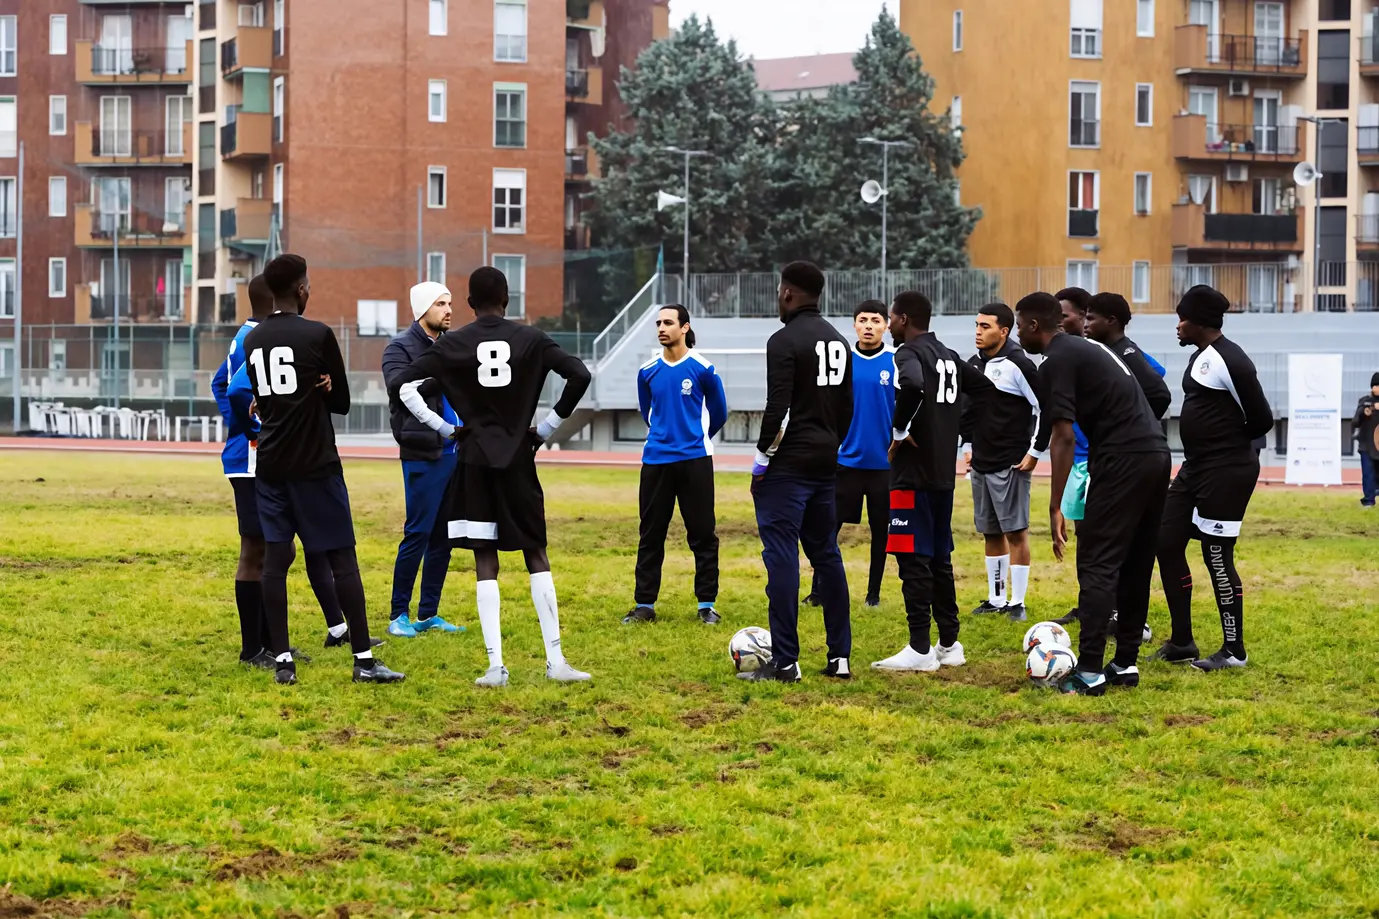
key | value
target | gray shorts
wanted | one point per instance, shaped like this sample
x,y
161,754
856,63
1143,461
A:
x,y
1000,501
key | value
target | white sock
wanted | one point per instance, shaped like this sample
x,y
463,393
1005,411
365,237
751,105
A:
x,y
364,655
996,568
1019,581
337,630
486,595
548,614
285,657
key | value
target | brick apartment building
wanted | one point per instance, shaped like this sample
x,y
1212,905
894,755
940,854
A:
x,y
201,137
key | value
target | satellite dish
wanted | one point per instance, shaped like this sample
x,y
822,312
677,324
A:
x,y
664,200
872,191
1304,174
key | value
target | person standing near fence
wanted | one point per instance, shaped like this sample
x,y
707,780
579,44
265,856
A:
x,y
1365,429
428,463
681,399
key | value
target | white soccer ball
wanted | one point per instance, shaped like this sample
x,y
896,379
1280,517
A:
x,y
1047,634
1046,665
750,648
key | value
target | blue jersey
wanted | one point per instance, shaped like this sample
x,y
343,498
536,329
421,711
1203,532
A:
x,y
240,396
873,408
1081,448
684,406
237,457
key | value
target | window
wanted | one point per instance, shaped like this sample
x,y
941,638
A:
x,y
1333,138
1268,194
509,186
435,106
509,30
57,115
279,28
957,30
1082,273
57,277
955,112
178,114
377,317
514,268
1084,189
9,202
7,288
279,89
1333,69
1201,190
9,127
9,34
258,183
278,184
111,197
177,192
1143,192
1144,104
1139,282
57,34
57,354
435,186
435,267
510,115
57,196
438,17
1085,20
1144,18
1085,115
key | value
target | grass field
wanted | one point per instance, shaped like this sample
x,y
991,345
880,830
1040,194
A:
x,y
143,773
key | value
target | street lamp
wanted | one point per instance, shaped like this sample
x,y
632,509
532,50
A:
x,y
1305,174
870,193
687,154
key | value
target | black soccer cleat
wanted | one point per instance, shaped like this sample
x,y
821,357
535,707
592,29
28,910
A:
x,y
377,673
1117,675
1015,612
837,668
768,674
344,640
986,607
873,601
1177,654
263,660
1221,660
811,600
1073,616
639,614
709,616
286,673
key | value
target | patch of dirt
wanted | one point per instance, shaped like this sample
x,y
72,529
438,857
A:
x,y
614,759
626,863
342,736
764,747
269,860
1185,720
617,730
129,842
17,906
667,829
703,717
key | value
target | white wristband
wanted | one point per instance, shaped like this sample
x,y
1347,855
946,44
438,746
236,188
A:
x,y
545,429
899,435
761,459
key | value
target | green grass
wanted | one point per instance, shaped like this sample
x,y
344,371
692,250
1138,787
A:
x,y
143,773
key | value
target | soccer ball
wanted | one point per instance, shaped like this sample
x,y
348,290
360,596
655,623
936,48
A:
x,y
750,648
1047,634
1046,665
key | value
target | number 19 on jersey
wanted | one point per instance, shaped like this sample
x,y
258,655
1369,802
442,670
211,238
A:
x,y
833,362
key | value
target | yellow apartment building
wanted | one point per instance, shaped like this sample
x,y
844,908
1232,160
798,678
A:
x,y
1146,145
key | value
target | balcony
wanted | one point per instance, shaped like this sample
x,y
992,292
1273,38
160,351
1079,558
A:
x,y
1367,235
155,308
1368,55
1082,223
1195,50
585,14
247,225
250,49
1194,228
584,86
1195,138
131,148
576,164
576,238
138,230
250,134
98,66
1367,145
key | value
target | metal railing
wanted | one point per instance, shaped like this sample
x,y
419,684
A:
x,y
1367,228
576,82
577,162
1251,228
636,310
1082,222
129,61
141,145
1369,49
1252,139
1367,140
1252,52
229,55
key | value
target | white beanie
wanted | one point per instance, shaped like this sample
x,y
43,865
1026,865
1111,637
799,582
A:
x,y
425,295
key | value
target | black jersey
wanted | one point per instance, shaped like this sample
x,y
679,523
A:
x,y
491,372
808,396
1155,389
1084,381
930,380
1224,407
1004,425
286,357
1365,425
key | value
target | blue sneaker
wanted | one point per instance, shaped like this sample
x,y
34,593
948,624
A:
x,y
435,624
1078,683
401,627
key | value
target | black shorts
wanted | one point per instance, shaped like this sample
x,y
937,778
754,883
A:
x,y
317,511
921,523
501,509
853,487
1211,502
247,507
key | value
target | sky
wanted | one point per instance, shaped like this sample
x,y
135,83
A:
x,y
786,28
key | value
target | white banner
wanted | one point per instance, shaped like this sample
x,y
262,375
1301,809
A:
x,y
1314,419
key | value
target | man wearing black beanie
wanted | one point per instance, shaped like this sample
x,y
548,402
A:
x,y
1224,410
1365,428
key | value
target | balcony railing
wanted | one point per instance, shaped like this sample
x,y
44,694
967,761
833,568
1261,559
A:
x,y
229,55
1084,133
577,237
1194,228
1369,54
137,64
577,163
1196,138
96,228
576,82
252,46
1367,142
1082,222
149,147
1197,49
1367,231
171,307
246,135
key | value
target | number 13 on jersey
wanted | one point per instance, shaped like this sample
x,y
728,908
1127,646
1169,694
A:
x,y
833,362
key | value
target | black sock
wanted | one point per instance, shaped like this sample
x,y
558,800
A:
x,y
249,603
1219,554
349,588
322,582
1177,581
277,561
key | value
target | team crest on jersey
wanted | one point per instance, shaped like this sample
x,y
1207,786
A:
x,y
995,371
1203,367
685,387
885,378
